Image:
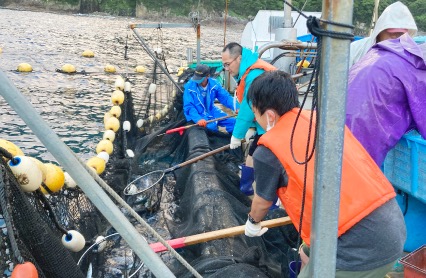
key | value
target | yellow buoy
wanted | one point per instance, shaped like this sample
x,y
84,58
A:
x,y
115,111
26,172
109,135
140,69
55,178
117,97
105,146
25,67
40,166
68,68
109,68
304,65
119,83
107,115
180,71
88,54
10,147
73,241
112,124
97,163
1,50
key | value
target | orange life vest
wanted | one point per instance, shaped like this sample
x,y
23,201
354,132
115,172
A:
x,y
363,185
259,64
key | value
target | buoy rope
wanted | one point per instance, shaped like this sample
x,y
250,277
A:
x,y
133,213
7,220
46,205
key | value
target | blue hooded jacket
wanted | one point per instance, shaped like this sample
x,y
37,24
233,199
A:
x,y
245,118
197,107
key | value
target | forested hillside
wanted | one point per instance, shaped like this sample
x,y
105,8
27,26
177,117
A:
x,y
244,9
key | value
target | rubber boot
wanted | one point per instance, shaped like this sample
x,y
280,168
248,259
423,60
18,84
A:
x,y
247,179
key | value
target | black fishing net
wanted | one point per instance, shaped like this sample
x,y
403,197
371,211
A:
x,y
35,240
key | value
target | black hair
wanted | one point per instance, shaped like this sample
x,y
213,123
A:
x,y
235,49
273,90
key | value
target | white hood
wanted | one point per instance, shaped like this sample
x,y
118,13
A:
x,y
396,15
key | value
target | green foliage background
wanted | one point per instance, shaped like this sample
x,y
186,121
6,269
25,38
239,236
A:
x,y
363,9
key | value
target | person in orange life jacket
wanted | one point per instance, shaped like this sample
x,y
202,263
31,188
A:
x,y
244,65
198,101
371,229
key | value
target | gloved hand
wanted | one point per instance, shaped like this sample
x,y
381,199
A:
x,y
251,132
252,230
235,143
202,123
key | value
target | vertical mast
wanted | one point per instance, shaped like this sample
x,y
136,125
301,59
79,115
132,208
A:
x,y
328,167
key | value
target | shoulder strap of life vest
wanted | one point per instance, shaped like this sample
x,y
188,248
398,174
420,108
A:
x,y
259,64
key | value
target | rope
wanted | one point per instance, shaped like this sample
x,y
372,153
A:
x,y
7,217
121,202
46,205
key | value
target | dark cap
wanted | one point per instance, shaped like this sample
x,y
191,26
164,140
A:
x,y
201,71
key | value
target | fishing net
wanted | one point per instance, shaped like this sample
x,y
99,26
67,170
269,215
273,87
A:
x,y
198,198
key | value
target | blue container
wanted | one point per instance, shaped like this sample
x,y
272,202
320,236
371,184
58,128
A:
x,y
415,220
405,165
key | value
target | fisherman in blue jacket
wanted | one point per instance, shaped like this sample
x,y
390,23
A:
x,y
198,101
244,65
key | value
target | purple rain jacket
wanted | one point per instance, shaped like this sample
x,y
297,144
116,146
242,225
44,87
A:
x,y
387,95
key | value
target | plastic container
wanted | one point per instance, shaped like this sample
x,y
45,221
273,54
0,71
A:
x,y
405,165
414,215
415,263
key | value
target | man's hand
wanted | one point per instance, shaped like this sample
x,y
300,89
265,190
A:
x,y
252,230
251,132
202,123
235,143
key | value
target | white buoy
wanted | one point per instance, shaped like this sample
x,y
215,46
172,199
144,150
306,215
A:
x,y
159,50
139,123
130,153
26,172
100,240
73,241
126,126
109,135
104,156
127,87
69,181
152,88
151,118
119,83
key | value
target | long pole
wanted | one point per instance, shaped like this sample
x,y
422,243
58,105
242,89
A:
x,y
328,167
71,164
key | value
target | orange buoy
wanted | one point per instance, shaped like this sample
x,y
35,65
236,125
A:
x,y
25,270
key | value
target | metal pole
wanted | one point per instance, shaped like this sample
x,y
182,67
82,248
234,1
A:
x,y
332,101
152,55
92,190
198,43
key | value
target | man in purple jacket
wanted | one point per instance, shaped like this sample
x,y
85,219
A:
x,y
387,95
